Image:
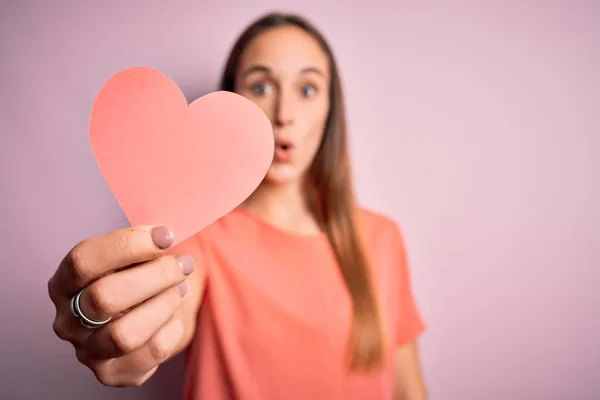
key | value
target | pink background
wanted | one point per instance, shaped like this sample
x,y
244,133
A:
x,y
475,126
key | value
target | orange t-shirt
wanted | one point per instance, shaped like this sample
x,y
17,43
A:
x,y
275,317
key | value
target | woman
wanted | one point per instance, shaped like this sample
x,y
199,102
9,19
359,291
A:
x,y
296,294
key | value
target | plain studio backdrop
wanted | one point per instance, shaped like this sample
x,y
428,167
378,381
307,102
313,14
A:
x,y
473,124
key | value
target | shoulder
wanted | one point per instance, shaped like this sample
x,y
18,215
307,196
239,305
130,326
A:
x,y
377,225
377,229
383,237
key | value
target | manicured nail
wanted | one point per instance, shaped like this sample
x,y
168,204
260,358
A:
x,y
162,237
182,288
186,263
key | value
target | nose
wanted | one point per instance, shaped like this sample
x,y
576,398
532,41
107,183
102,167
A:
x,y
284,109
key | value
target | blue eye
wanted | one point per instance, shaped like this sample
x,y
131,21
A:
x,y
260,89
309,91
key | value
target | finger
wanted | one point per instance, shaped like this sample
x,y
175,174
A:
x,y
103,371
69,328
129,332
95,257
123,381
134,368
122,290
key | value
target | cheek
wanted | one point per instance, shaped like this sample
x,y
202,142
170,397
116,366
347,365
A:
x,y
312,142
315,131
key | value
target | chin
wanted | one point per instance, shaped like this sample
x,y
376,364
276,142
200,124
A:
x,y
282,174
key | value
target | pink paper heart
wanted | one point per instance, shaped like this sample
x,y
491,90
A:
x,y
174,164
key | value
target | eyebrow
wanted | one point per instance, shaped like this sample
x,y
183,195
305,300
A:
x,y
267,70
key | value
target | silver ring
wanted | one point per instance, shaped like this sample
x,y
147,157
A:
x,y
85,321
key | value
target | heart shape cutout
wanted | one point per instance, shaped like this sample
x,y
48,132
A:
x,y
173,164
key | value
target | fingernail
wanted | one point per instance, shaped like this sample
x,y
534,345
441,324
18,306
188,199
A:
x,y
186,263
182,288
162,237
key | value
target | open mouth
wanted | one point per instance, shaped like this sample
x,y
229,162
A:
x,y
285,146
283,151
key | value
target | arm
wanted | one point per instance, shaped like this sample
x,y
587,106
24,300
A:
x,y
409,381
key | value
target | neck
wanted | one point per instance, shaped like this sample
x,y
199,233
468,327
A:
x,y
283,205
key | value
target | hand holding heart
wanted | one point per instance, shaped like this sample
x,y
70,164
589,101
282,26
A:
x,y
174,168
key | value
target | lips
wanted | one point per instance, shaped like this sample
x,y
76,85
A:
x,y
283,150
284,144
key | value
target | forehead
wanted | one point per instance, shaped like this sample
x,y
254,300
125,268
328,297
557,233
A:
x,y
285,50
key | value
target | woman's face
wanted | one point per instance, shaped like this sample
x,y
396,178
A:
x,y
286,73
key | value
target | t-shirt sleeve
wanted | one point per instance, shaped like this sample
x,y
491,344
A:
x,y
409,324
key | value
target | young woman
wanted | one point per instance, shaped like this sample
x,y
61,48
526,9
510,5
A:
x,y
297,294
